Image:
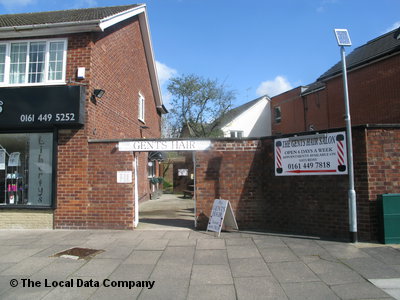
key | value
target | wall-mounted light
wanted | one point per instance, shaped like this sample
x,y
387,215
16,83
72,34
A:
x,y
98,93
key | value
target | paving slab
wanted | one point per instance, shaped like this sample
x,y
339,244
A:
x,y
132,272
98,267
182,242
207,292
362,290
167,288
279,254
211,274
211,257
177,256
390,286
258,288
211,244
369,267
243,252
249,267
143,257
107,293
59,269
387,255
342,250
333,273
309,290
286,272
267,242
177,271
153,244
28,266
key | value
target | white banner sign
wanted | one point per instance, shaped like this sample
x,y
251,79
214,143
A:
x,y
321,154
159,145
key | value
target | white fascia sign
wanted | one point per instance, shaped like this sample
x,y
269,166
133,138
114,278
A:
x,y
161,145
320,154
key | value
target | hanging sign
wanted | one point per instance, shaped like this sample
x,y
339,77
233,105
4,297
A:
x,y
320,154
14,160
2,159
164,145
221,215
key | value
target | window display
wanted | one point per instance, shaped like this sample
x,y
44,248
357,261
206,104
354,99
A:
x,y
26,169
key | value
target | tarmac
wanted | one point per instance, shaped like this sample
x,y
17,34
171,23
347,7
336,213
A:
x,y
169,261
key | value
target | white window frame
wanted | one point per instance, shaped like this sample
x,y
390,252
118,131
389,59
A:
x,y
141,107
235,133
46,80
277,114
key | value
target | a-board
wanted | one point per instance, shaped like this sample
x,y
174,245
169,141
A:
x,y
221,215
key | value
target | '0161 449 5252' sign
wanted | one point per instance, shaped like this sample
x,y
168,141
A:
x,y
39,107
320,154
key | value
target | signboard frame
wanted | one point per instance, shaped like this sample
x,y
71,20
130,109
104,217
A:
x,y
42,107
145,145
221,215
319,154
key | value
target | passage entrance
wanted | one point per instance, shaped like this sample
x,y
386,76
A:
x,y
174,208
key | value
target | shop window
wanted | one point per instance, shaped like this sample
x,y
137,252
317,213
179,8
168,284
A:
x,y
236,134
33,62
277,114
26,169
141,108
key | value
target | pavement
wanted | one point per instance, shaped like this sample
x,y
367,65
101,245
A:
x,y
170,262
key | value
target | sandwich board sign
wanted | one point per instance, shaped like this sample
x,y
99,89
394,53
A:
x,y
221,215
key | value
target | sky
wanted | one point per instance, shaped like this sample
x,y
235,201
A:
x,y
254,47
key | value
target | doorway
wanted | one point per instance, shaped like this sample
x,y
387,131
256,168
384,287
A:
x,y
172,203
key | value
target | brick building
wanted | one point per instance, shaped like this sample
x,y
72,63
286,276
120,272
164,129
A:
x,y
373,72
69,81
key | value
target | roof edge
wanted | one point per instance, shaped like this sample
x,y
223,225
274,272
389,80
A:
x,y
70,27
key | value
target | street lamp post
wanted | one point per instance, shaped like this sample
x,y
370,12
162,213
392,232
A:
x,y
343,39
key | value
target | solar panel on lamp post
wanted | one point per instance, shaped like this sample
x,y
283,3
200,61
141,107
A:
x,y
343,40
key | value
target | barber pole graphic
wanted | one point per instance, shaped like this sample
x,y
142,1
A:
x,y
341,150
278,156
319,154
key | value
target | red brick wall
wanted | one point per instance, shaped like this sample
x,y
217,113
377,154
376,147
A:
x,y
72,180
374,98
373,94
316,111
110,204
243,172
115,61
292,111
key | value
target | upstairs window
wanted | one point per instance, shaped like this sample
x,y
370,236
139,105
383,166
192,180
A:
x,y
141,108
236,134
277,114
33,62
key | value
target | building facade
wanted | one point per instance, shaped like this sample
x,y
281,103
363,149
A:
x,y
252,119
69,79
373,72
